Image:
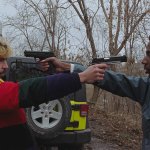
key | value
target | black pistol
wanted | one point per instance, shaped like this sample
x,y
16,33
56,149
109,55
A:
x,y
41,56
110,60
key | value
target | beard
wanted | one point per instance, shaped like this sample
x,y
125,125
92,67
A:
x,y
147,71
2,74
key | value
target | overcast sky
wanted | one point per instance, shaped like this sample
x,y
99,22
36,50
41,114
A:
x,y
6,9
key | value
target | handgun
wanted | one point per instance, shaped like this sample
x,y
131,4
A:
x,y
110,60
41,56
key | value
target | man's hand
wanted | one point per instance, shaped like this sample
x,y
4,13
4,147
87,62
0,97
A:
x,y
59,65
90,75
93,73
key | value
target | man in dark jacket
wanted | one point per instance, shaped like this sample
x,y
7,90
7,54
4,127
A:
x,y
14,132
136,88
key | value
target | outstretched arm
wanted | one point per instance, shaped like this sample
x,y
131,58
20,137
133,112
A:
x,y
39,90
35,91
62,66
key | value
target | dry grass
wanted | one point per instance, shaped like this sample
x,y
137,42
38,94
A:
x,y
117,129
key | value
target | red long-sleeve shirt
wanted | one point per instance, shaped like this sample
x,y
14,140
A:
x,y
10,113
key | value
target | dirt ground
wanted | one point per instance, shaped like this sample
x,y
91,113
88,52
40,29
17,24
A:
x,y
113,132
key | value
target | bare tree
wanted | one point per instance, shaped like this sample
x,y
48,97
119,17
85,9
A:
x,y
82,12
37,21
122,17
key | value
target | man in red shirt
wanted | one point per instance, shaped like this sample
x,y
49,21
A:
x,y
14,97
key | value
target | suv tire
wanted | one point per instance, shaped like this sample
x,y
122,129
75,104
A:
x,y
49,119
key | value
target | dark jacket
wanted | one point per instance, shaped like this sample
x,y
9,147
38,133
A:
x,y
136,88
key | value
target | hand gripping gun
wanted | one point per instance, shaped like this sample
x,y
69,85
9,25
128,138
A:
x,y
41,56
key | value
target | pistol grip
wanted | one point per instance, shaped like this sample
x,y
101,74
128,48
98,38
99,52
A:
x,y
51,69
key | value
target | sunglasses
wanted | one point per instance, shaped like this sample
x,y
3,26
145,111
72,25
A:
x,y
148,53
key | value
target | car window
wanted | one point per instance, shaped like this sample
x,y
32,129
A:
x,y
20,70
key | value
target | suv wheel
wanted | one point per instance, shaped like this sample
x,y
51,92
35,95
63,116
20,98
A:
x,y
48,119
